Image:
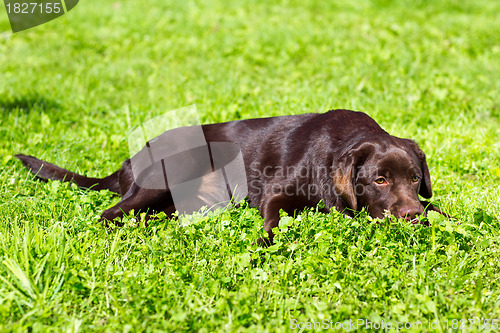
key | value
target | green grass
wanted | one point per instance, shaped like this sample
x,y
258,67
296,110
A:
x,y
71,90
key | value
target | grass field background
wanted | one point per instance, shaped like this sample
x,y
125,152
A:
x,y
71,90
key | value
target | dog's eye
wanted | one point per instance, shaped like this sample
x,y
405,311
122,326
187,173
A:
x,y
380,180
415,179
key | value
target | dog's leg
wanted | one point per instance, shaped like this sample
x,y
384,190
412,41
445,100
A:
x,y
140,199
270,211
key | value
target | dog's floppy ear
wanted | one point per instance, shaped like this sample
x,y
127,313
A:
x,y
344,172
425,186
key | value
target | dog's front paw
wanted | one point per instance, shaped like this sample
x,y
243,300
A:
x,y
111,216
264,242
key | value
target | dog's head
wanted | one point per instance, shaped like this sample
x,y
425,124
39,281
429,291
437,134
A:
x,y
385,174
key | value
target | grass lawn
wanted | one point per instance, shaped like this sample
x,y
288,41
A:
x,y
72,89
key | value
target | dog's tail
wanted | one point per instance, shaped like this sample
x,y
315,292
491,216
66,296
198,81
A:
x,y
46,170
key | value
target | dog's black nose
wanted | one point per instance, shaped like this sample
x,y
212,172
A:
x,y
409,212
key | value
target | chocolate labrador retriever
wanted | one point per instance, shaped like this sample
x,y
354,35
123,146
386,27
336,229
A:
x,y
341,157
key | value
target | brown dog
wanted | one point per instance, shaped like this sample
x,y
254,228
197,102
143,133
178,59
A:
x,y
341,157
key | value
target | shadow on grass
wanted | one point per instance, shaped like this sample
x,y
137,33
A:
x,y
27,103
